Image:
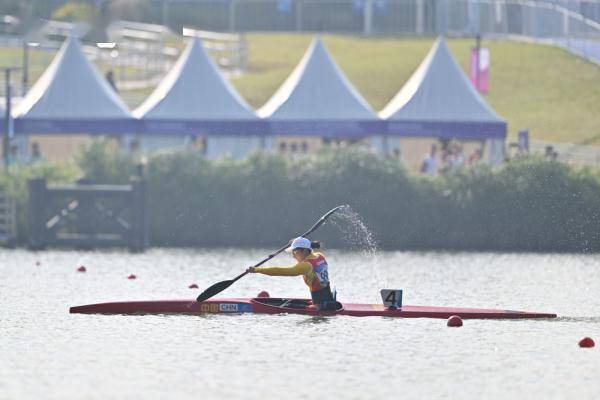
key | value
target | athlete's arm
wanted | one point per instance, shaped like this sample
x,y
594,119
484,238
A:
x,y
302,268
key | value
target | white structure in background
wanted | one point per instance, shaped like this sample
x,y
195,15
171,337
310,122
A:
x,y
141,47
439,101
318,100
71,89
194,99
71,97
229,50
52,34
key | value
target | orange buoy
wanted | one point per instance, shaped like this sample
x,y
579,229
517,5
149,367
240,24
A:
x,y
132,276
454,321
263,294
193,286
586,342
81,269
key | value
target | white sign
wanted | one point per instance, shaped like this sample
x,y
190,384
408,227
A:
x,y
224,307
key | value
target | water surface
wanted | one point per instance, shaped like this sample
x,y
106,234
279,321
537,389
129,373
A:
x,y
47,353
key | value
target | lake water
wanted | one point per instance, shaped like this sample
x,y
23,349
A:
x,y
47,353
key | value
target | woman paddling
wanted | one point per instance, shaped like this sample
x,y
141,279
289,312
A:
x,y
313,268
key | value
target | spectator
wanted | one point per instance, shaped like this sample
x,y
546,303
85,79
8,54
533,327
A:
x,y
134,146
550,154
429,165
36,154
476,157
13,155
110,78
457,158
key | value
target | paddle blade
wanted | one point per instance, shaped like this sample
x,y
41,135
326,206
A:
x,y
214,289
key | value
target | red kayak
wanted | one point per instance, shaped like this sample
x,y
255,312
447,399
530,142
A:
x,y
261,305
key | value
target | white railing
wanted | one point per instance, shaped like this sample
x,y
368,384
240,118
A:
x,y
414,17
230,50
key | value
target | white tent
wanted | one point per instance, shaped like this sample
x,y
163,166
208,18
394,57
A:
x,y
318,99
439,101
195,99
72,97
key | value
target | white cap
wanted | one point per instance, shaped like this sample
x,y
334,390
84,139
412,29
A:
x,y
300,243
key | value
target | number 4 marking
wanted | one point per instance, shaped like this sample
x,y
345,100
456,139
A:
x,y
391,297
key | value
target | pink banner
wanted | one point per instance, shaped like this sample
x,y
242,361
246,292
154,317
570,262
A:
x,y
480,79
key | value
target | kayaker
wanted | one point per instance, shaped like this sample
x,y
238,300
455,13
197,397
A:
x,y
313,268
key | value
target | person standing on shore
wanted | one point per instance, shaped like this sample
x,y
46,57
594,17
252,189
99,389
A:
x,y
429,166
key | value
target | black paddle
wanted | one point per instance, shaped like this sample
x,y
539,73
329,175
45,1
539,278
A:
x,y
220,286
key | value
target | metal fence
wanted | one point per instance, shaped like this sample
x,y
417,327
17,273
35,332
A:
x,y
537,18
530,17
571,24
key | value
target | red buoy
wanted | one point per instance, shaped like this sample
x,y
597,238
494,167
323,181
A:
x,y
193,286
81,269
455,321
586,342
132,276
264,293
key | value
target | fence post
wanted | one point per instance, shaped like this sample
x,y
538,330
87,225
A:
x,y
298,16
35,207
139,229
368,18
165,12
419,17
8,228
232,6
565,23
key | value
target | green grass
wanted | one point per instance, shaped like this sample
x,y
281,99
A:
x,y
545,89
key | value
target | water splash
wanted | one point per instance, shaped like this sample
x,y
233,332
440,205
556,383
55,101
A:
x,y
359,237
355,232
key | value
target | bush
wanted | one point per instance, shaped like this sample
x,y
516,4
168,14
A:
x,y
263,200
14,182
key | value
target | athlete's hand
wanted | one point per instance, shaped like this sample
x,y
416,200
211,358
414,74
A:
x,y
251,270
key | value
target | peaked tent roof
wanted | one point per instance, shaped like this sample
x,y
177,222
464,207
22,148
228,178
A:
x,y
439,100
194,97
72,96
317,98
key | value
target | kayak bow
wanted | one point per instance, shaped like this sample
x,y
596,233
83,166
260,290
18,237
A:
x,y
294,306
